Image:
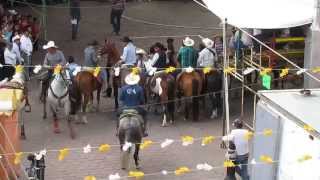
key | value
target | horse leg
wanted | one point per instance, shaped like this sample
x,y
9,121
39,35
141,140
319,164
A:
x,y
56,128
27,107
115,94
214,102
84,109
136,155
186,112
71,130
165,111
98,98
44,115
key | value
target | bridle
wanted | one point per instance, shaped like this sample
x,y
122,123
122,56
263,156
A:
x,y
59,98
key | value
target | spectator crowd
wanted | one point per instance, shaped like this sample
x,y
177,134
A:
x,y
19,38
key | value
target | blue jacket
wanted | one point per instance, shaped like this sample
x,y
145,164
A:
x,y
131,95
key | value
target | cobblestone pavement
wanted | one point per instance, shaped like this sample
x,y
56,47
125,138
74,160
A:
x,y
101,127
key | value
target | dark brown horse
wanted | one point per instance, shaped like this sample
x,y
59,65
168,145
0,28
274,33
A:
x,y
87,83
190,87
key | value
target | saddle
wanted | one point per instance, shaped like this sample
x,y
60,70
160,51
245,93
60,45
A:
x,y
127,113
12,85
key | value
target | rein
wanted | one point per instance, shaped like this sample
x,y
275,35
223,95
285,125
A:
x,y
64,95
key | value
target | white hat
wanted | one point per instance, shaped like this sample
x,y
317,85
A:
x,y
188,41
50,44
140,51
12,11
15,38
207,42
132,79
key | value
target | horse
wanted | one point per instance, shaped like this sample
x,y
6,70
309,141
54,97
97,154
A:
x,y
212,86
162,85
87,83
18,81
130,133
189,85
113,57
62,94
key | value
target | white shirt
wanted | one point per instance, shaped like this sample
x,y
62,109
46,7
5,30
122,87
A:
x,y
154,59
206,58
10,57
238,138
246,40
26,45
16,50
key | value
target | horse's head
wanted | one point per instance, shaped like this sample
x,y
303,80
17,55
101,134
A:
x,y
112,51
62,78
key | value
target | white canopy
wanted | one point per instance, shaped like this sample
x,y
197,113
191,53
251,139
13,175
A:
x,y
263,14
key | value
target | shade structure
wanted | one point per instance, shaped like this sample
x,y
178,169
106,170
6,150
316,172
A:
x,y
263,14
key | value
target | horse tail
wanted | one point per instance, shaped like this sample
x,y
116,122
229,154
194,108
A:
x,y
195,99
171,97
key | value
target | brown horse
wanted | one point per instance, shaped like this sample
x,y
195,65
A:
x,y
162,85
190,87
113,57
87,83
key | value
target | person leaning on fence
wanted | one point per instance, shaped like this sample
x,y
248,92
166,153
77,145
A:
x,y
117,9
207,56
231,155
132,97
237,136
75,17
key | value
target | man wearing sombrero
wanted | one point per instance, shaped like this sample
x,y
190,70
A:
x,y
132,97
187,56
53,57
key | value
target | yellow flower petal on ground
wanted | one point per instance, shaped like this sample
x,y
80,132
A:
x,y
63,153
17,159
146,144
181,170
136,174
104,148
90,178
207,140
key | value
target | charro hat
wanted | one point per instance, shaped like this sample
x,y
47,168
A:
x,y
208,42
188,41
50,44
16,37
140,51
132,79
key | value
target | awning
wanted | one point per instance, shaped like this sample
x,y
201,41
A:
x,y
263,14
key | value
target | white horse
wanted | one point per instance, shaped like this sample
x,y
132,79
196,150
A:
x,y
59,97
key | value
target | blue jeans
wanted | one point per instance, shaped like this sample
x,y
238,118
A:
x,y
243,169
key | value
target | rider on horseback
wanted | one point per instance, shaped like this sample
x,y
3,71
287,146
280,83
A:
x,y
52,59
132,97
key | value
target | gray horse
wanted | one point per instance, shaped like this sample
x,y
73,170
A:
x,y
59,97
130,134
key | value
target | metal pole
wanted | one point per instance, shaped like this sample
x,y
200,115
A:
x,y
225,65
44,18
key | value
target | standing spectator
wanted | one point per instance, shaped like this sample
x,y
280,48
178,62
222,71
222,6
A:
x,y
16,48
75,17
11,59
90,54
257,33
171,52
129,52
117,9
26,50
207,56
35,32
187,55
242,148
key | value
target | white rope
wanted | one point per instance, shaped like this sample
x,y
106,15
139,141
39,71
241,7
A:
x,y
169,25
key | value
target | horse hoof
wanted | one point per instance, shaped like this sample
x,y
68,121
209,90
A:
x,y
171,122
138,167
44,117
164,125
